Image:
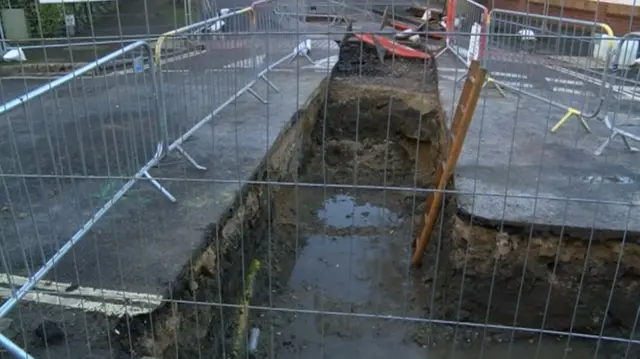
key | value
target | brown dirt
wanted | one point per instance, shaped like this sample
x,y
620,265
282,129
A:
x,y
537,266
384,132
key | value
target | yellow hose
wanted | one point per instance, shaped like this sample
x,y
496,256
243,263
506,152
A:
x,y
243,316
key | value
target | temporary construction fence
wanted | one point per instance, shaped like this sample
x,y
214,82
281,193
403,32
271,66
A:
x,y
540,42
144,136
466,23
246,26
466,17
515,46
346,178
519,48
612,84
130,142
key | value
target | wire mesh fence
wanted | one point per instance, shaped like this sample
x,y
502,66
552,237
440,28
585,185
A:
x,y
287,162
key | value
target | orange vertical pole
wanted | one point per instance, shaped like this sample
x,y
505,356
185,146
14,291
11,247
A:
x,y
459,127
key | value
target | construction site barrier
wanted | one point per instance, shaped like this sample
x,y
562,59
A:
x,y
240,33
156,114
615,86
212,25
467,23
523,47
466,17
331,13
55,105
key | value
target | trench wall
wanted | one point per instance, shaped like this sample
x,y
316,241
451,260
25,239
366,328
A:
x,y
217,270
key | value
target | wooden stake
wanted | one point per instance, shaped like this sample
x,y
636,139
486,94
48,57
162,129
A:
x,y
459,127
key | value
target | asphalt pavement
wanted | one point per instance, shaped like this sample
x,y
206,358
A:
x,y
514,170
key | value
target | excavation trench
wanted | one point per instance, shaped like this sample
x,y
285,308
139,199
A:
x,y
334,259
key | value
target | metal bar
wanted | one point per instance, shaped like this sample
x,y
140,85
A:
x,y
3,43
66,78
352,187
200,24
608,85
269,83
13,348
197,126
68,44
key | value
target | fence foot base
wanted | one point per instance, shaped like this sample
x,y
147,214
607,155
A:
x,y
305,55
495,85
626,143
269,83
487,81
626,136
159,187
190,159
571,112
441,51
256,95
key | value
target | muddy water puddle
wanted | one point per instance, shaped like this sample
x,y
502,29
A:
x,y
341,211
350,293
353,269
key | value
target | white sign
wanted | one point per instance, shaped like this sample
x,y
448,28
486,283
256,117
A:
x,y
138,64
474,43
70,20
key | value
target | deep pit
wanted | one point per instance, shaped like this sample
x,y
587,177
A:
x,y
331,254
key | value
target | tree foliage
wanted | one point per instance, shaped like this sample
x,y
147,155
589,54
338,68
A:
x,y
44,20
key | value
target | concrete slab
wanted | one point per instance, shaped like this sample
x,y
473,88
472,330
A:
x,y
513,170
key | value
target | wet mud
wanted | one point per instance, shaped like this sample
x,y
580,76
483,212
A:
x,y
323,256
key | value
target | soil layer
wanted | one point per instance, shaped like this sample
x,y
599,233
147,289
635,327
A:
x,y
327,259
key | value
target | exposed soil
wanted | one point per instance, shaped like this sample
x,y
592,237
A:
x,y
326,262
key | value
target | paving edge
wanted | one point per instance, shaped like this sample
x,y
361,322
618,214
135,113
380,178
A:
x,y
50,69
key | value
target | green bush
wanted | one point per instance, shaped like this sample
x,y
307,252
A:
x,y
44,20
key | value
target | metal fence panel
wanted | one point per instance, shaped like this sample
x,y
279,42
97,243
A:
x,y
82,140
541,43
241,50
316,187
466,17
621,85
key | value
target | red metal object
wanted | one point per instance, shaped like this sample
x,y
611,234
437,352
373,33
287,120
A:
x,y
399,26
391,46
